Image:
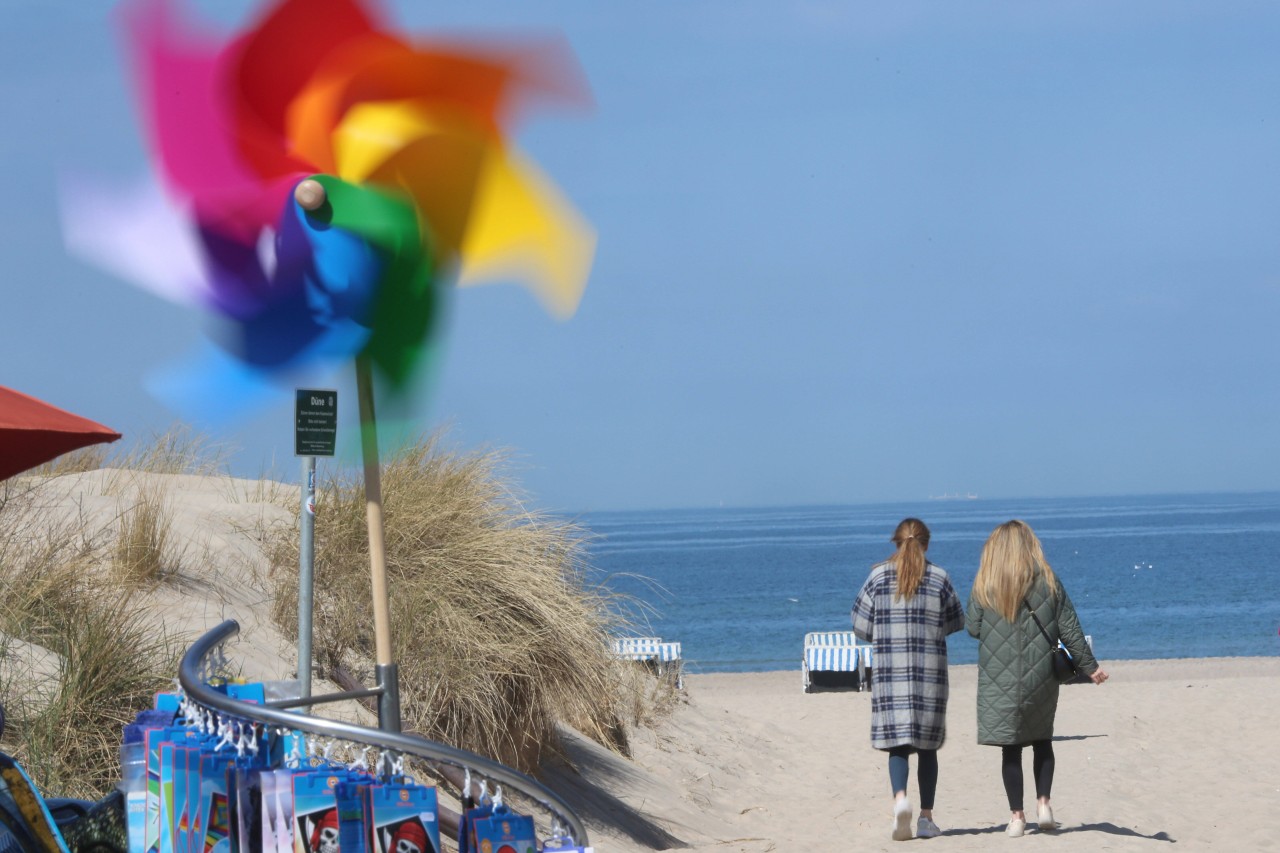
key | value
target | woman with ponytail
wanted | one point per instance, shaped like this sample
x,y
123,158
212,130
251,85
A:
x,y
905,610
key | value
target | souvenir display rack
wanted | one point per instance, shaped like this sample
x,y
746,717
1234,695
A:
x,y
205,663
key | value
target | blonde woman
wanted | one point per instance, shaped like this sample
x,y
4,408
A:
x,y
905,610
1017,691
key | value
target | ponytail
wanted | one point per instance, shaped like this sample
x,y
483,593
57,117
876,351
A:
x,y
910,563
912,539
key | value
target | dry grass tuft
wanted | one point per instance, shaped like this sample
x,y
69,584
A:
x,y
496,633
78,659
76,462
101,662
144,553
645,698
177,450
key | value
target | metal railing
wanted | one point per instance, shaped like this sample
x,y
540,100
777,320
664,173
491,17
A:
x,y
192,678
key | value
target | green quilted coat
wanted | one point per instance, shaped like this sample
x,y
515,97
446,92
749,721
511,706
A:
x,y
1017,693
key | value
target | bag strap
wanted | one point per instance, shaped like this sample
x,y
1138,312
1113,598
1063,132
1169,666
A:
x,y
1051,643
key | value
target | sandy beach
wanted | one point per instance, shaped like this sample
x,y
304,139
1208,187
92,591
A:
x,y
1181,752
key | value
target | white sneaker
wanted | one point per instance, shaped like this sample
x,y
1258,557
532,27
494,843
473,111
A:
x,y
926,828
902,820
1044,817
1016,828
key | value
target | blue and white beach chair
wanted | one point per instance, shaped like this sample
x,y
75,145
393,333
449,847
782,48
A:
x,y
636,648
662,656
835,651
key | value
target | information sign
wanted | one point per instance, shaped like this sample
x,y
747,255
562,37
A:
x,y
315,423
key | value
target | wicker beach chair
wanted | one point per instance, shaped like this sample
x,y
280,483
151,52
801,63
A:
x,y
670,660
662,657
834,659
636,648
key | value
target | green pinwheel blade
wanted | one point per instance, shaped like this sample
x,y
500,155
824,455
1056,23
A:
x,y
406,308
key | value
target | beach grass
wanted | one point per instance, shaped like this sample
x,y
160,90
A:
x,y
76,462
178,449
496,631
144,551
499,635
80,658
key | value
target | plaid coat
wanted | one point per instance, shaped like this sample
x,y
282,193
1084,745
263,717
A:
x,y
909,666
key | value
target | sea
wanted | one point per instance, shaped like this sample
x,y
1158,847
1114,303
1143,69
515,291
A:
x,y
1151,576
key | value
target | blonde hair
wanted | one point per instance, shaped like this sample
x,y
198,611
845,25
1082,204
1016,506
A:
x,y
1011,561
912,539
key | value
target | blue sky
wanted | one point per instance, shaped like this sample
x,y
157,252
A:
x,y
847,252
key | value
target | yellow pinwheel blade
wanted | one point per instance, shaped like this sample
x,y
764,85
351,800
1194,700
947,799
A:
x,y
483,202
521,226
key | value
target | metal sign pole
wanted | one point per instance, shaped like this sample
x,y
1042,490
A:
x,y
306,578
315,421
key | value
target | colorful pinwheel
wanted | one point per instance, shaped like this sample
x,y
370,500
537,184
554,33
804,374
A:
x,y
420,188
331,177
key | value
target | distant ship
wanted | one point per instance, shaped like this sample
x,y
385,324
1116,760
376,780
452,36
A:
x,y
968,496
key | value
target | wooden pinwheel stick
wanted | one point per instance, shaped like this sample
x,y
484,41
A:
x,y
388,674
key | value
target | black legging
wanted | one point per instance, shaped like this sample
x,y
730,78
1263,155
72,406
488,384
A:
x,y
899,772
1011,770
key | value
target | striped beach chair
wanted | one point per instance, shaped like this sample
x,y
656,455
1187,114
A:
x,y
669,659
834,651
636,648
662,656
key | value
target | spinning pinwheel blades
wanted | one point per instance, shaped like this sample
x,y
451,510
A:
x,y
321,179
418,188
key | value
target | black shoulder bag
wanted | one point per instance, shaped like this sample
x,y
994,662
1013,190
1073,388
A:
x,y
1064,667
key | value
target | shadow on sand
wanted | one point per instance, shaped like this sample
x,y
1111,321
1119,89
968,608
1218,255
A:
x,y
583,780
990,830
1112,829
1109,828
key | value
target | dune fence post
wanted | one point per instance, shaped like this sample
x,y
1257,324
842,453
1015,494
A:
x,y
388,675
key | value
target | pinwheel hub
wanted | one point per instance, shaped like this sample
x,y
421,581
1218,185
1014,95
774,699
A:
x,y
309,194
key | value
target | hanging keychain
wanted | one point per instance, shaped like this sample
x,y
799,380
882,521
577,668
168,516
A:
x,y
481,808
503,829
362,763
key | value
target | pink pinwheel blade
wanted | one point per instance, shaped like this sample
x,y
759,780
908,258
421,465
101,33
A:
x,y
184,101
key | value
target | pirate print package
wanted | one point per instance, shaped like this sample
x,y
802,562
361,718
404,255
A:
x,y
403,818
504,832
495,828
315,809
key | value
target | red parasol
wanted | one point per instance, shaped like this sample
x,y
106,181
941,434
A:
x,y
32,432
